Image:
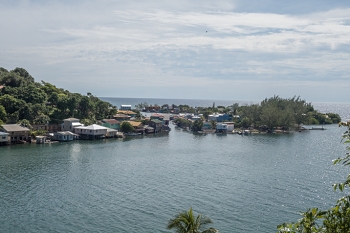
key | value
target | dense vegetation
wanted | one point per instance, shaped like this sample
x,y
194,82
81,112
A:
x,y
274,112
333,220
22,100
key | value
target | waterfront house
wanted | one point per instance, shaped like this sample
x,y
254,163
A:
x,y
4,138
111,133
148,129
110,123
69,124
221,128
156,124
64,136
40,139
91,131
207,126
16,132
157,116
230,126
138,126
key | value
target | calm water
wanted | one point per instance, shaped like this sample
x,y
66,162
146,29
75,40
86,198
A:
x,y
244,184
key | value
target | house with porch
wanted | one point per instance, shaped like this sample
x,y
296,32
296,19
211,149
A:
x,y
16,132
91,131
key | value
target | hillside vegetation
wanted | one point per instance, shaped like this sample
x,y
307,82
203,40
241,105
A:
x,y
24,100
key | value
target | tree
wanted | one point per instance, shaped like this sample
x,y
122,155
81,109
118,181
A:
x,y
2,113
335,219
197,125
187,222
126,127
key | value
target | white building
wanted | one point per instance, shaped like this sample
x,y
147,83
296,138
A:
x,y
4,138
91,132
230,126
125,107
69,124
221,127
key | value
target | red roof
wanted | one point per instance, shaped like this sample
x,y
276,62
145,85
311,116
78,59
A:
x,y
157,115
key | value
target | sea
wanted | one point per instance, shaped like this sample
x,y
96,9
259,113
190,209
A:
x,y
242,183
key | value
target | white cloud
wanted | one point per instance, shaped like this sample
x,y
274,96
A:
x,y
167,43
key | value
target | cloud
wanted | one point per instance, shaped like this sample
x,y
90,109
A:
x,y
166,43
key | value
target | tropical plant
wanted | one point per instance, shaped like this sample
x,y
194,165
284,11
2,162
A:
x,y
187,222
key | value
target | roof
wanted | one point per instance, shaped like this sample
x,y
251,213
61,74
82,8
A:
x,y
126,112
65,133
3,133
92,127
157,121
14,127
135,123
77,124
121,116
111,121
157,115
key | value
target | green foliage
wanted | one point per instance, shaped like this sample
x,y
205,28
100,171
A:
x,y
197,125
126,127
22,98
3,114
183,123
335,219
40,132
187,222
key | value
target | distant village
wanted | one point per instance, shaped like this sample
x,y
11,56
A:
x,y
72,129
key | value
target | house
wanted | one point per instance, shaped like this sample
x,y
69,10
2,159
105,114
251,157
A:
x,y
91,131
16,132
69,124
138,126
40,139
4,138
148,129
219,117
110,123
156,124
127,112
230,126
111,133
121,117
207,126
125,107
221,128
157,116
64,136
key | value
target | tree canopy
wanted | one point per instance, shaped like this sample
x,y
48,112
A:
x,y
41,103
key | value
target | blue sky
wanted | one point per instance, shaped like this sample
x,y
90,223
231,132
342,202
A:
x,y
229,50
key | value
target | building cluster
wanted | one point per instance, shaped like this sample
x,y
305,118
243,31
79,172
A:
x,y
222,122
72,128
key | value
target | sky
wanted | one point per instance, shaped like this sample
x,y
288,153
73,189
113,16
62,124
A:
x,y
222,50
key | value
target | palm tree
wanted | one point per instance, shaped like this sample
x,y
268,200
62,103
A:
x,y
186,222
